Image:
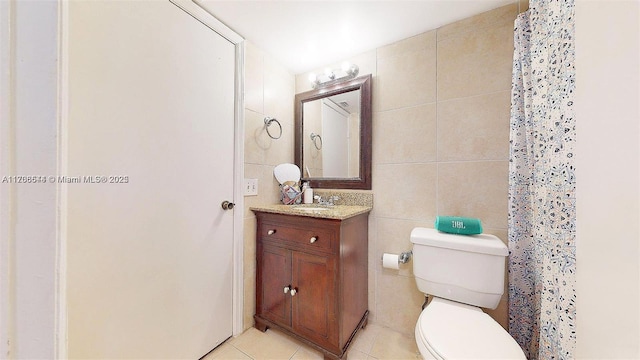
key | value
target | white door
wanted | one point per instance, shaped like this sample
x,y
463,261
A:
x,y
149,252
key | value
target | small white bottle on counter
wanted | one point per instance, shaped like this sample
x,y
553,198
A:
x,y
307,193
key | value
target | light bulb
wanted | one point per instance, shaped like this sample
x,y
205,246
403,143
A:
x,y
329,73
353,70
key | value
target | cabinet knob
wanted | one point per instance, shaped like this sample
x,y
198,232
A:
x,y
293,292
271,232
313,239
286,289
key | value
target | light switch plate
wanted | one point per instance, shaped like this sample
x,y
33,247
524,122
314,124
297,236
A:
x,y
250,187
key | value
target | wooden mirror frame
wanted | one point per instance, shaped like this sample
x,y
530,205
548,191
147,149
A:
x,y
362,83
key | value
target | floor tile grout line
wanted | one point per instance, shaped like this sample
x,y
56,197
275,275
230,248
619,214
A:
x,y
375,337
295,352
249,356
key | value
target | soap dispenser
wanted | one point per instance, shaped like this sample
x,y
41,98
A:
x,y
307,193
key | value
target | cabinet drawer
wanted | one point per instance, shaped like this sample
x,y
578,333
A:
x,y
309,238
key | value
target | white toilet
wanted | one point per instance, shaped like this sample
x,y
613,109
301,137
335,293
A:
x,y
462,273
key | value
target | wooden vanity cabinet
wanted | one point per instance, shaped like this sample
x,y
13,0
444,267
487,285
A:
x,y
311,278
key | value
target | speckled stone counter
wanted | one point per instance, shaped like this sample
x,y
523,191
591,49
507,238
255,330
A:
x,y
347,197
339,212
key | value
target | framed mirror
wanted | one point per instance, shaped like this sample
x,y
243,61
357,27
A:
x,y
333,135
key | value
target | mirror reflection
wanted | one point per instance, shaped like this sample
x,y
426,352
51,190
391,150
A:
x,y
331,136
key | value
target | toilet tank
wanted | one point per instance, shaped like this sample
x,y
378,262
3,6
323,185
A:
x,y
465,268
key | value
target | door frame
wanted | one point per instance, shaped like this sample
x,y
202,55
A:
x,y
6,132
207,19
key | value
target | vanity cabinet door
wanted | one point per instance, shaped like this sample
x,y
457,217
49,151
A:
x,y
314,304
274,287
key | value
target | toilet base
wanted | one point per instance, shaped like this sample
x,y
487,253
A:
x,y
451,330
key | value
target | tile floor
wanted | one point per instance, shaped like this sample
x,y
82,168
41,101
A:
x,y
374,342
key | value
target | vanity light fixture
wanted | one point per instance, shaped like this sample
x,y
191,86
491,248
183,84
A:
x,y
331,76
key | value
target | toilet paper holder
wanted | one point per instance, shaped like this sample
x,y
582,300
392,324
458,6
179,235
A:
x,y
404,257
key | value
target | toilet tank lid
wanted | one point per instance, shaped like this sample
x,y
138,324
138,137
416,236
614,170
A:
x,y
482,243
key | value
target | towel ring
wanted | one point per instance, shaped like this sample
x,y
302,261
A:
x,y
315,136
267,123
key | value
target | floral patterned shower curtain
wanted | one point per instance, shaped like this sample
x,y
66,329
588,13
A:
x,y
542,212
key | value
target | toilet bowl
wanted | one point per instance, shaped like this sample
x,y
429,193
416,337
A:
x,y
463,273
451,330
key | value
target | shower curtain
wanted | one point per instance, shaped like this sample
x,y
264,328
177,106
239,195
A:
x,y
542,212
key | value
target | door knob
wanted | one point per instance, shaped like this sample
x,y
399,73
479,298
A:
x,y
293,292
313,239
227,205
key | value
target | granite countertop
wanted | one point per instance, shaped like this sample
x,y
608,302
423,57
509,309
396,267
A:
x,y
340,212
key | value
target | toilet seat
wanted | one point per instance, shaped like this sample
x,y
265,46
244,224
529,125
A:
x,y
451,330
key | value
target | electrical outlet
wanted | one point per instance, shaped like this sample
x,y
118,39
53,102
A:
x,y
250,187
